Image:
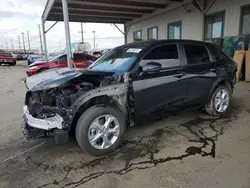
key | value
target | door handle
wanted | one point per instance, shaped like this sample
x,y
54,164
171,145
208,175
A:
x,y
212,70
179,75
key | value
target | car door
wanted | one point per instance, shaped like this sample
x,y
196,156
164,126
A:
x,y
62,61
202,72
156,92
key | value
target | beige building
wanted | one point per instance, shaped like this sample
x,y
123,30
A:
x,y
198,20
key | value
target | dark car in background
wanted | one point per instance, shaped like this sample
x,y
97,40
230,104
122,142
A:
x,y
80,60
130,84
21,56
7,58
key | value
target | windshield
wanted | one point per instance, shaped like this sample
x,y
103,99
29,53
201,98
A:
x,y
54,58
118,60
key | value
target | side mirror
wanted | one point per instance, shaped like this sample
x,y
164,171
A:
x,y
151,67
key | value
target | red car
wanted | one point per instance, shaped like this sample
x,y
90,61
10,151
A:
x,y
80,60
7,58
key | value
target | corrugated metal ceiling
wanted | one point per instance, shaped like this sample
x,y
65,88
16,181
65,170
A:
x,y
106,11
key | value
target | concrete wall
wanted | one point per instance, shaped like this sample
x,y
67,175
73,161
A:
x,y
192,20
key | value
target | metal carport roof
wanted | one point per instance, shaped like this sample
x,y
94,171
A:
x,y
103,11
96,11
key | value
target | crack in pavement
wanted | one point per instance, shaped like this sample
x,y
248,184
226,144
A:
x,y
138,149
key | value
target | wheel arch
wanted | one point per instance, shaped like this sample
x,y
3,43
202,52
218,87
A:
x,y
117,101
221,81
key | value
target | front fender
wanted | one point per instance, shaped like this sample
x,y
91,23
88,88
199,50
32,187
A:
x,y
118,92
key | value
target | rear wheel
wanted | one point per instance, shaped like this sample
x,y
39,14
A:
x,y
100,130
220,101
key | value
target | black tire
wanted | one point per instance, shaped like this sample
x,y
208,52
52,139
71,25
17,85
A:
x,y
210,107
13,63
85,121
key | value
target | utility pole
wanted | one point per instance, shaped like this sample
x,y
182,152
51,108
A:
x,y
82,31
40,36
23,43
28,39
12,44
19,43
7,45
94,38
60,45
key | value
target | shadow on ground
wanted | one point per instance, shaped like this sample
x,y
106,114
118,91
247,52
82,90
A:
x,y
198,137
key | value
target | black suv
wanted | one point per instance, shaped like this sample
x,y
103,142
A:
x,y
128,85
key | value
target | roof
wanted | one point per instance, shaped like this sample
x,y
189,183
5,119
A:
x,y
103,11
165,41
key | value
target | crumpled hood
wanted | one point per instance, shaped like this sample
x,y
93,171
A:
x,y
37,63
53,78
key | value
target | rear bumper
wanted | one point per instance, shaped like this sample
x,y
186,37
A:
x,y
5,61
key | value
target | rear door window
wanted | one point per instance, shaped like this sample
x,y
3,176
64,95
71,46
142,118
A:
x,y
166,55
196,54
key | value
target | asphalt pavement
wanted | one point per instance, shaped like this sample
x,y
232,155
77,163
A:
x,y
189,149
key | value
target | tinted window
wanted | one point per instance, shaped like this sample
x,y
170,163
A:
x,y
167,55
217,53
163,52
196,54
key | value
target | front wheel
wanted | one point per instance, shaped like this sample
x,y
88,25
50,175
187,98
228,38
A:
x,y
100,130
13,63
220,101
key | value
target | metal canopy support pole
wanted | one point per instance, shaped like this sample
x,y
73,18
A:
x,y
67,31
44,40
51,27
119,28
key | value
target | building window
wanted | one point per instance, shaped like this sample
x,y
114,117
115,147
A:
x,y
153,33
138,35
245,20
174,30
214,25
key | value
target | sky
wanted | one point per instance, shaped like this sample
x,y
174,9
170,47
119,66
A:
x,y
20,16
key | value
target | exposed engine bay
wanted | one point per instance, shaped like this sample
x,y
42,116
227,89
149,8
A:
x,y
45,103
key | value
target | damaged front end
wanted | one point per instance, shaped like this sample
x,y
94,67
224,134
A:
x,y
54,98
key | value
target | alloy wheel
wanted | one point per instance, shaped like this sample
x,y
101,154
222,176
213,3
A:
x,y
103,131
221,100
